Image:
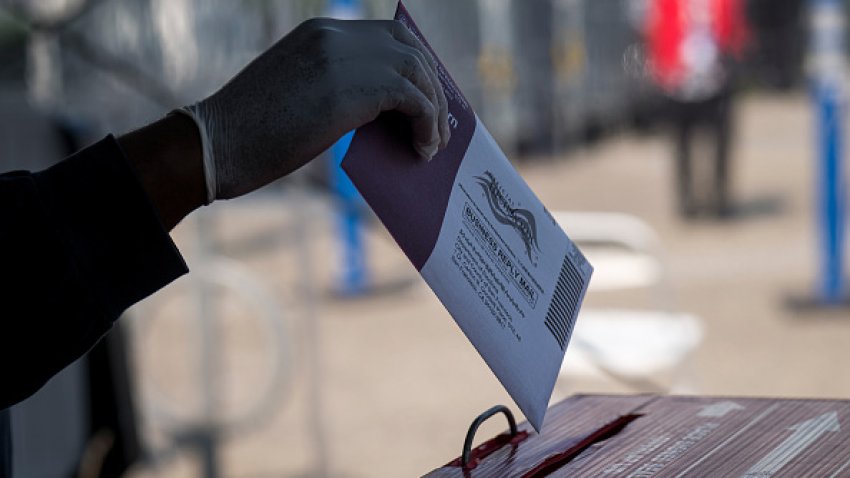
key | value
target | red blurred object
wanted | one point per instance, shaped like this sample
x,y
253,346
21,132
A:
x,y
671,21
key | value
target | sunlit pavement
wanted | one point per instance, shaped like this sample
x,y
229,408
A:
x,y
399,383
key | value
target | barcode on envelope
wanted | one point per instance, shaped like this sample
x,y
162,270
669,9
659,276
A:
x,y
559,318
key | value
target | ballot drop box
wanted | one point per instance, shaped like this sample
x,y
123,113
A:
x,y
649,436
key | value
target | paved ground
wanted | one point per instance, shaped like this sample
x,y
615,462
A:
x,y
397,380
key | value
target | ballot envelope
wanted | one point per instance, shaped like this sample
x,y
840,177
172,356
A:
x,y
482,240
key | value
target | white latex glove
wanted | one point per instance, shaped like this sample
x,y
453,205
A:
x,y
325,78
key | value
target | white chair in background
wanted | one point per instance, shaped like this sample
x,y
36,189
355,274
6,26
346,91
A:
x,y
631,346
625,251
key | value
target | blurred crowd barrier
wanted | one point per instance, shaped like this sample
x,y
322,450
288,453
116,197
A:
x,y
546,75
116,63
542,74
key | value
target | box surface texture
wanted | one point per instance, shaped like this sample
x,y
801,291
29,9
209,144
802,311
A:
x,y
648,436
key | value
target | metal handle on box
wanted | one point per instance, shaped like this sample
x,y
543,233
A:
x,y
470,435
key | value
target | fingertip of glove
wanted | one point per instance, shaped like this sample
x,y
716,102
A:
x,y
426,152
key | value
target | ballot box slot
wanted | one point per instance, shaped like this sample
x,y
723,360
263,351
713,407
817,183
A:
x,y
558,460
571,448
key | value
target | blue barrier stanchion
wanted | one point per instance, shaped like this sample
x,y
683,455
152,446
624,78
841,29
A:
x,y
354,278
345,9
828,77
827,67
832,285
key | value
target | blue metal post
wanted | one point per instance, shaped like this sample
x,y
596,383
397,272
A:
x,y
354,278
828,78
831,200
345,9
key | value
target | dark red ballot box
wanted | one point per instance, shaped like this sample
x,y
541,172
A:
x,y
648,436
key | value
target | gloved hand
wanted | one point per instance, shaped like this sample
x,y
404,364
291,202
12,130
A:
x,y
325,78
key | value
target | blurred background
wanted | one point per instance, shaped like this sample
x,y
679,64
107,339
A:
x,y
693,148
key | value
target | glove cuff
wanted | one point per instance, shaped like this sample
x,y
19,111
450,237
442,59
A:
x,y
194,112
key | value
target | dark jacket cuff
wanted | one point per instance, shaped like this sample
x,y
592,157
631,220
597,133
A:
x,y
119,245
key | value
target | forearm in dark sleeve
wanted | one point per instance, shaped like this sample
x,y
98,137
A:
x,y
80,243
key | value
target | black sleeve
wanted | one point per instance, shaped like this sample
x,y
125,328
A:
x,y
80,242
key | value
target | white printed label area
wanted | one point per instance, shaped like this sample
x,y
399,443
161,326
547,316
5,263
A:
x,y
739,432
508,274
804,435
719,409
655,454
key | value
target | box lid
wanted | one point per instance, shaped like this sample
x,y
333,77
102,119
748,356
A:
x,y
645,436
